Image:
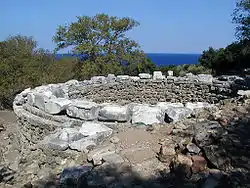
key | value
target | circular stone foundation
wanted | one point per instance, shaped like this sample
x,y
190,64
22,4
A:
x,y
137,100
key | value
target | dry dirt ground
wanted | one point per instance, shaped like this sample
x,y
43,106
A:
x,y
145,152
135,145
8,132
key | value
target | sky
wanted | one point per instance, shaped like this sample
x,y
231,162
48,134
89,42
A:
x,y
166,26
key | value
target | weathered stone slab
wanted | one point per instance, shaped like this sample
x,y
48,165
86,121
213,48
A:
x,y
122,77
58,144
59,91
93,128
114,113
72,82
176,114
134,78
83,109
245,93
98,79
41,98
147,114
166,105
144,76
170,73
83,145
198,106
70,134
205,78
21,98
57,105
31,99
111,78
157,75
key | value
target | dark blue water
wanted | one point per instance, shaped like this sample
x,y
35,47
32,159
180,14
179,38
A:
x,y
173,59
164,58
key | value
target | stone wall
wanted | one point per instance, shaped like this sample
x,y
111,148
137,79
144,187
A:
x,y
150,91
44,109
124,90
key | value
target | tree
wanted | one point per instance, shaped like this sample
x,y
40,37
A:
x,y
22,65
241,17
207,59
102,40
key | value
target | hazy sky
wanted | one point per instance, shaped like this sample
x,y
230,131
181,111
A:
x,y
171,26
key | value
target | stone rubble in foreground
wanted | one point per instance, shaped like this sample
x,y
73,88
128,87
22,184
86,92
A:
x,y
68,140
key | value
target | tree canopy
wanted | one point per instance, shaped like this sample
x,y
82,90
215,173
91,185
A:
x,y
23,65
232,59
236,56
241,17
103,42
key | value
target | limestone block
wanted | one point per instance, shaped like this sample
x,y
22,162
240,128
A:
x,y
170,73
244,93
144,76
176,114
26,91
59,92
98,79
41,98
134,78
166,105
83,145
114,112
57,105
93,128
111,78
58,144
205,78
72,82
70,134
19,100
31,98
122,77
157,75
198,106
147,114
83,109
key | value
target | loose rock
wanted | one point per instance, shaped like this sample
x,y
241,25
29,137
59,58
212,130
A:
x,y
83,109
147,114
114,113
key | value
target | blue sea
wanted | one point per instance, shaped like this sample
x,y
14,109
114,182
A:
x,y
165,58
173,59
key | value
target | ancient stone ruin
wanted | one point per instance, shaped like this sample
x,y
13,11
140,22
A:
x,y
91,103
85,116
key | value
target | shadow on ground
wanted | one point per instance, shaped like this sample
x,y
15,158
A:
x,y
228,156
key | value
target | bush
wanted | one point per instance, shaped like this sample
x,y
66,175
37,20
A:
x,y
182,70
23,66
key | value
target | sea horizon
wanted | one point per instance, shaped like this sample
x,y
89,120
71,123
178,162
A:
x,y
163,59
